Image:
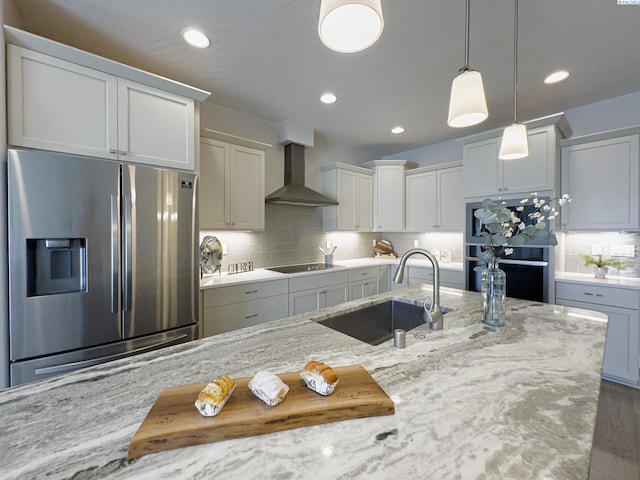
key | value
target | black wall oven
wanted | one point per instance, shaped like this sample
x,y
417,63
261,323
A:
x,y
527,268
527,271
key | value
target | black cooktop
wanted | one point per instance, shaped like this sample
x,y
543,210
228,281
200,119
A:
x,y
306,267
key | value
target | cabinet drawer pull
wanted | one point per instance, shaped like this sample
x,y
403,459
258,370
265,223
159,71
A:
x,y
250,292
112,150
251,316
123,153
594,294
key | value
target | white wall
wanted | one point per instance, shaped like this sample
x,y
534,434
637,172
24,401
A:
x,y
611,114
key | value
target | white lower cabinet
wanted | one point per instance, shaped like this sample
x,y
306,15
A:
x,y
364,282
448,278
317,290
621,361
237,306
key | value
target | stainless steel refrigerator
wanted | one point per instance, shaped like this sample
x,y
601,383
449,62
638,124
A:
x,y
102,261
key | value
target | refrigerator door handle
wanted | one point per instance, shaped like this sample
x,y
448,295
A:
x,y
127,245
114,254
67,367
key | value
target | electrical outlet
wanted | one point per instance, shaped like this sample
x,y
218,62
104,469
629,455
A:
x,y
596,249
373,242
224,248
623,251
416,243
328,243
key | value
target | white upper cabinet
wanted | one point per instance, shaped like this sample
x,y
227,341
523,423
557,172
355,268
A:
x,y
352,187
388,194
601,174
485,175
60,106
231,186
65,100
155,127
434,199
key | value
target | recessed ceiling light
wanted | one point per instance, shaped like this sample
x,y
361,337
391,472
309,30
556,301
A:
x,y
328,98
195,38
556,77
397,129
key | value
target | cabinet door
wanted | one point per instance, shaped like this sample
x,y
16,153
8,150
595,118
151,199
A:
x,y
155,127
363,289
450,202
535,172
303,302
421,204
246,188
347,199
214,163
244,314
60,106
364,203
621,346
332,296
482,170
602,179
389,199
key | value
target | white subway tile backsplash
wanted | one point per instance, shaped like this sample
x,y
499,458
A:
x,y
293,234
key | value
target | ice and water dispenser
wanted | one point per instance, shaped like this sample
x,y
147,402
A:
x,y
56,265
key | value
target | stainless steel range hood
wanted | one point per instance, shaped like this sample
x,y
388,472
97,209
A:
x,y
294,191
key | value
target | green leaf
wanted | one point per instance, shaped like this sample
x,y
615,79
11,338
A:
x,y
517,241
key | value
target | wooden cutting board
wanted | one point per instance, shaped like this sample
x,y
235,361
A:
x,y
174,421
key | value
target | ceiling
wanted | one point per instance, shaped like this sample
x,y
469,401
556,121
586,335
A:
x,y
266,58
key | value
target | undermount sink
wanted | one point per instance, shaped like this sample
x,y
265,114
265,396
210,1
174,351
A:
x,y
375,324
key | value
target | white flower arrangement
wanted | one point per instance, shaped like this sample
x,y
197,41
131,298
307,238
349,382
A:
x,y
504,228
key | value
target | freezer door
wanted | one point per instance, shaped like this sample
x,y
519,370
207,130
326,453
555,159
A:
x,y
160,280
63,253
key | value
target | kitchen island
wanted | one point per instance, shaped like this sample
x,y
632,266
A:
x,y
470,402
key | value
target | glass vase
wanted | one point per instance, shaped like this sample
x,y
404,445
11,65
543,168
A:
x,y
494,290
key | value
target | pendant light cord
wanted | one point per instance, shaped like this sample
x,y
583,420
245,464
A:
x,y
466,38
515,64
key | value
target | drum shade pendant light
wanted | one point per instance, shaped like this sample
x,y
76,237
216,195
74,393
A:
x,y
467,104
514,139
350,26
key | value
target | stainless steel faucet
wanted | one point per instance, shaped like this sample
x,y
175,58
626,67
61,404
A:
x,y
437,318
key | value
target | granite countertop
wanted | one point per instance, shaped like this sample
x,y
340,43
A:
x,y
470,402
609,281
262,274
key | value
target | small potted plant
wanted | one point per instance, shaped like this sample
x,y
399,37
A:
x,y
601,264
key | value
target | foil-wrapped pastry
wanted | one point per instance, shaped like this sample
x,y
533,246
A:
x,y
214,396
269,388
319,377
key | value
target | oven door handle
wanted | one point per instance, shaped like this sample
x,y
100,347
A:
x,y
526,263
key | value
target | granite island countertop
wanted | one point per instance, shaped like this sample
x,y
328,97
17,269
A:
x,y
470,402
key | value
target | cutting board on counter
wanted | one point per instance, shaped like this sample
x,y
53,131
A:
x,y
174,421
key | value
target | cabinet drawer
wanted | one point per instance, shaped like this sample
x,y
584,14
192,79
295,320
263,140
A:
x,y
425,275
612,296
246,291
225,318
359,274
318,280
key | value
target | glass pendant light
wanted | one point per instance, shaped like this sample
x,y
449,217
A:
x,y
467,104
515,143
350,26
